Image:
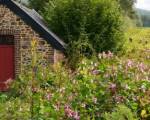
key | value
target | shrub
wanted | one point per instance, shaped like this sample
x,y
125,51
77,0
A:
x,y
121,112
100,19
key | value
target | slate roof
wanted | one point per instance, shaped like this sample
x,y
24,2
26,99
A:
x,y
33,19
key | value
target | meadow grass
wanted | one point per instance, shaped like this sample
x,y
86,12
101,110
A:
x,y
137,44
138,38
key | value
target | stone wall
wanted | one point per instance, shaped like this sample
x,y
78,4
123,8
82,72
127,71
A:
x,y
11,24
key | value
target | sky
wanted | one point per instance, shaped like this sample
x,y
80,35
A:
x,y
143,4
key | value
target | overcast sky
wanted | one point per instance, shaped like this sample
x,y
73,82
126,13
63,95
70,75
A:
x,y
143,4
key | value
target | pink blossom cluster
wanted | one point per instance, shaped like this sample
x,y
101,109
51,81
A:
x,y
34,89
140,66
113,88
104,55
70,113
129,64
118,99
48,96
95,72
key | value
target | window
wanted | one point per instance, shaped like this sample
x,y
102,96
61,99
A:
x,y
6,40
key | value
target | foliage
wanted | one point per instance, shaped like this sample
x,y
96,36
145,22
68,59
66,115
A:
x,y
94,26
95,88
121,113
80,49
38,5
131,16
127,7
100,19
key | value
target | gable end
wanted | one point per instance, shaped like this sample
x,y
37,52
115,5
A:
x,y
43,31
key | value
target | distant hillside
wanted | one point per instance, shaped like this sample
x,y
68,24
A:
x,y
145,16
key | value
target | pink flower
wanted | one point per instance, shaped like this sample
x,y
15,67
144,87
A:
x,y
34,89
118,99
113,88
70,113
95,72
76,116
48,96
129,63
110,54
141,67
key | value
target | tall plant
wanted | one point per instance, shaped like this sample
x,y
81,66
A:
x,y
101,20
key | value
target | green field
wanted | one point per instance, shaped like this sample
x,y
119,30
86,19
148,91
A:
x,y
138,38
137,44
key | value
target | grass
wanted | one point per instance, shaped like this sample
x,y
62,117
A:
x,y
138,39
137,45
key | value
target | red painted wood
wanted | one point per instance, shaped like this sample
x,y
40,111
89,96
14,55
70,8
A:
x,y
6,65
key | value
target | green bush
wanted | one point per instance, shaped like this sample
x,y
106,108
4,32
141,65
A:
x,y
120,113
101,21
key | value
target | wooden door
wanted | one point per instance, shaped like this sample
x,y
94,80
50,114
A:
x,y
6,64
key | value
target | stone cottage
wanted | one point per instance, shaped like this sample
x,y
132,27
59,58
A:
x,y
18,26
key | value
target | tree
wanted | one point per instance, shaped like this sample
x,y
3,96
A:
x,y
129,12
100,19
38,5
128,7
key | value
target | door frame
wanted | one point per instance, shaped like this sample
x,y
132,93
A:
x,y
17,52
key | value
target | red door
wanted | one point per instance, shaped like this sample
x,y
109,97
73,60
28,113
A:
x,y
6,64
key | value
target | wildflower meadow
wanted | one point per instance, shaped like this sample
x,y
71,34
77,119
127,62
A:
x,y
104,87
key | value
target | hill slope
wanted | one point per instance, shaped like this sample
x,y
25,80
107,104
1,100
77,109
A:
x,y
145,16
137,45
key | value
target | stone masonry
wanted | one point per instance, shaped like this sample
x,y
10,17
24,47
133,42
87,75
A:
x,y
11,24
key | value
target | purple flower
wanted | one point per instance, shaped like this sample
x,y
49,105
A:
x,y
76,116
113,88
48,96
34,89
96,72
70,113
129,64
118,99
141,67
